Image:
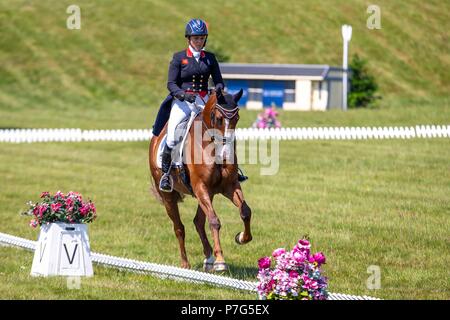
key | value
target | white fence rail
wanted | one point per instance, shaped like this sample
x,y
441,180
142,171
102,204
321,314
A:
x,y
305,133
164,271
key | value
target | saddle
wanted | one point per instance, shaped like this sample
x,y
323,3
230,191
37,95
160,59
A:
x,y
181,133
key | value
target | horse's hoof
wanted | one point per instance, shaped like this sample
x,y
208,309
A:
x,y
220,267
239,238
208,264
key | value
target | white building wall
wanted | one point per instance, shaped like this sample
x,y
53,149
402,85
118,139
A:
x,y
319,95
254,105
302,96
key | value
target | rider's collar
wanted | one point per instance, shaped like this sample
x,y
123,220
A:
x,y
190,52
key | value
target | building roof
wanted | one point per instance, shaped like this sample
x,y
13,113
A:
x,y
273,71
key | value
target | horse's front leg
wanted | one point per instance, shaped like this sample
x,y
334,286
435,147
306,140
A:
x,y
199,221
235,194
205,202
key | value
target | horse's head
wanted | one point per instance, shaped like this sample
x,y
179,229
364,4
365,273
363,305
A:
x,y
221,114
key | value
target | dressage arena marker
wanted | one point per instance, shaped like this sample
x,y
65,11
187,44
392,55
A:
x,y
304,133
164,271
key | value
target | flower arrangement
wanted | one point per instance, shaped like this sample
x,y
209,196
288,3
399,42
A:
x,y
267,119
69,208
296,276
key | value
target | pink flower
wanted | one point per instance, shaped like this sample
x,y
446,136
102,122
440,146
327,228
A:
x,y
84,210
264,263
310,284
33,223
59,194
69,202
45,194
319,257
278,252
299,257
293,274
56,206
42,210
303,245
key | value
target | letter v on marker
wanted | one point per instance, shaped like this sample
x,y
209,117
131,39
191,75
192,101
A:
x,y
42,251
73,255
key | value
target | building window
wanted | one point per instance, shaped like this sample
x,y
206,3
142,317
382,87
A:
x,y
255,90
289,91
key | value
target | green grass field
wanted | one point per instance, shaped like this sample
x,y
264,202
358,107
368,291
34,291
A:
x,y
363,203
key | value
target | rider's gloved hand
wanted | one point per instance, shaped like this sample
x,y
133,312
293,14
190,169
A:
x,y
180,96
189,97
219,86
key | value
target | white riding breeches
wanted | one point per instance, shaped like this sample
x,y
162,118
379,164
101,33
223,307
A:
x,y
180,111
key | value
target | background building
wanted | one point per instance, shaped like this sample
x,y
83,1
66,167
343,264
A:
x,y
287,86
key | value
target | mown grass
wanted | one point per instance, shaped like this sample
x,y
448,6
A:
x,y
362,203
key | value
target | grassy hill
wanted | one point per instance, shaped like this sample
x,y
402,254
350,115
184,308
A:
x,y
363,203
115,67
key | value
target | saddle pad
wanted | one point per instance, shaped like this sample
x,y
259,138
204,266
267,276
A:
x,y
177,154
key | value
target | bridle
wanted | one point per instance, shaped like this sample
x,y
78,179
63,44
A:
x,y
228,114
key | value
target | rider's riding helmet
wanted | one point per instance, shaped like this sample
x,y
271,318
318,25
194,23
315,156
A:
x,y
196,27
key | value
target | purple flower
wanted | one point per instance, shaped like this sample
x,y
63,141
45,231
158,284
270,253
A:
x,y
278,252
319,257
295,275
264,263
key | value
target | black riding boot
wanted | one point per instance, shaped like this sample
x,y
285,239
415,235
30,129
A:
x,y
165,184
241,176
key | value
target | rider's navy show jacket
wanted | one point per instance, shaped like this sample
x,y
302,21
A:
x,y
186,74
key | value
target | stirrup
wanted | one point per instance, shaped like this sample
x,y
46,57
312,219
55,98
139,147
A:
x,y
170,182
241,176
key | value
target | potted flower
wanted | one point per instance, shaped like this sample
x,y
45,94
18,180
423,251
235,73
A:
x,y
297,274
63,245
69,208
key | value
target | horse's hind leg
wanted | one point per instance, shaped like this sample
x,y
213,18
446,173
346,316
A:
x,y
170,202
235,194
199,221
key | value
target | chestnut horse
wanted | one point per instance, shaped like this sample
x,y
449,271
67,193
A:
x,y
207,177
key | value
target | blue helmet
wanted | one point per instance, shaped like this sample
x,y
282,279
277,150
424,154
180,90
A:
x,y
196,27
